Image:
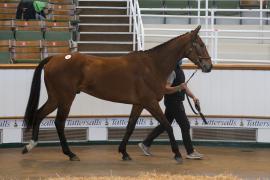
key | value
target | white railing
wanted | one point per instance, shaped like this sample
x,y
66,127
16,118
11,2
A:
x,y
212,34
207,9
136,24
212,12
170,33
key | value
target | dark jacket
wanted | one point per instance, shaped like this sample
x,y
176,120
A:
x,y
172,99
26,10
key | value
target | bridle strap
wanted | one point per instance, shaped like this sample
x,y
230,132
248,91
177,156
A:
x,y
191,76
194,46
197,106
201,57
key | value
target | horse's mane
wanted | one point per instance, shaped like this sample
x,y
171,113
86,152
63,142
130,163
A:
x,y
157,48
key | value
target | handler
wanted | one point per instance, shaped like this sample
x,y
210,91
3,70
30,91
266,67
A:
x,y
175,90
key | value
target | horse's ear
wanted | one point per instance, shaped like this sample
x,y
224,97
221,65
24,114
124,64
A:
x,y
195,32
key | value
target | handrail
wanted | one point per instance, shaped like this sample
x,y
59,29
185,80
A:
x,y
140,23
137,24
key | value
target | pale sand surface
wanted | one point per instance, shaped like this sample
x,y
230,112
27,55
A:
x,y
104,160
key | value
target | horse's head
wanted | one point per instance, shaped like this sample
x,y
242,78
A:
x,y
196,51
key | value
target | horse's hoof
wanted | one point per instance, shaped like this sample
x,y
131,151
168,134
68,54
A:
x,y
178,159
126,158
74,158
24,151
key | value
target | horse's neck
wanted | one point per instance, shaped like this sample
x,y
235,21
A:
x,y
166,57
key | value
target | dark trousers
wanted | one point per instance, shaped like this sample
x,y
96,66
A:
x,y
174,111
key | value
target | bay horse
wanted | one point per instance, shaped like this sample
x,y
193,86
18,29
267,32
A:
x,y
137,78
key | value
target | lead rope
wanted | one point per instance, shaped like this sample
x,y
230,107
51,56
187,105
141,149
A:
x,y
197,106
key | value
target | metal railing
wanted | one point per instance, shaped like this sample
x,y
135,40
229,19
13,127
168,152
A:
x,y
211,33
214,37
212,16
136,24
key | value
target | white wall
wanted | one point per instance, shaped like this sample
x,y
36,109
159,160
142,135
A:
x,y
222,92
227,92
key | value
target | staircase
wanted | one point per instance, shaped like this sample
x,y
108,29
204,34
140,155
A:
x,y
104,28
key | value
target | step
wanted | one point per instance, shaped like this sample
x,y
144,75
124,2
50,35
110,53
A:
x,y
106,37
88,27
103,3
95,11
104,19
104,47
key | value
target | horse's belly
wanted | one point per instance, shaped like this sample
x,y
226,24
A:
x,y
114,95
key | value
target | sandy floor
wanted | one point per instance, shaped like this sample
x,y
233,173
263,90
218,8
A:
x,y
104,160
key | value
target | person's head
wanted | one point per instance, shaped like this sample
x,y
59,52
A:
x,y
179,63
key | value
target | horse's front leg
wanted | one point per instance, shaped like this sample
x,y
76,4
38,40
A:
x,y
135,114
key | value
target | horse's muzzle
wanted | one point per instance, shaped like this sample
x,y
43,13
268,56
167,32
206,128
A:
x,y
207,68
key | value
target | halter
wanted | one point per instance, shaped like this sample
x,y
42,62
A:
x,y
195,46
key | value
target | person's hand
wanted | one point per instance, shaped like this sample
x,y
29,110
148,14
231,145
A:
x,y
196,100
183,86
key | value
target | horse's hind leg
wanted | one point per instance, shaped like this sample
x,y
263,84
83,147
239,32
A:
x,y
156,111
135,113
46,109
62,114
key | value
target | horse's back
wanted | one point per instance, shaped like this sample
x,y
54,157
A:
x,y
112,78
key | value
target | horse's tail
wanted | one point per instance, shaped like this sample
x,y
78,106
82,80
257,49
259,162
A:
x,y
33,101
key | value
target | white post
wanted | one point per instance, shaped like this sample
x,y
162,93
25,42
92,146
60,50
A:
x,y
134,26
199,12
261,12
128,7
142,36
212,44
141,25
212,33
212,19
130,14
216,46
206,21
139,28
